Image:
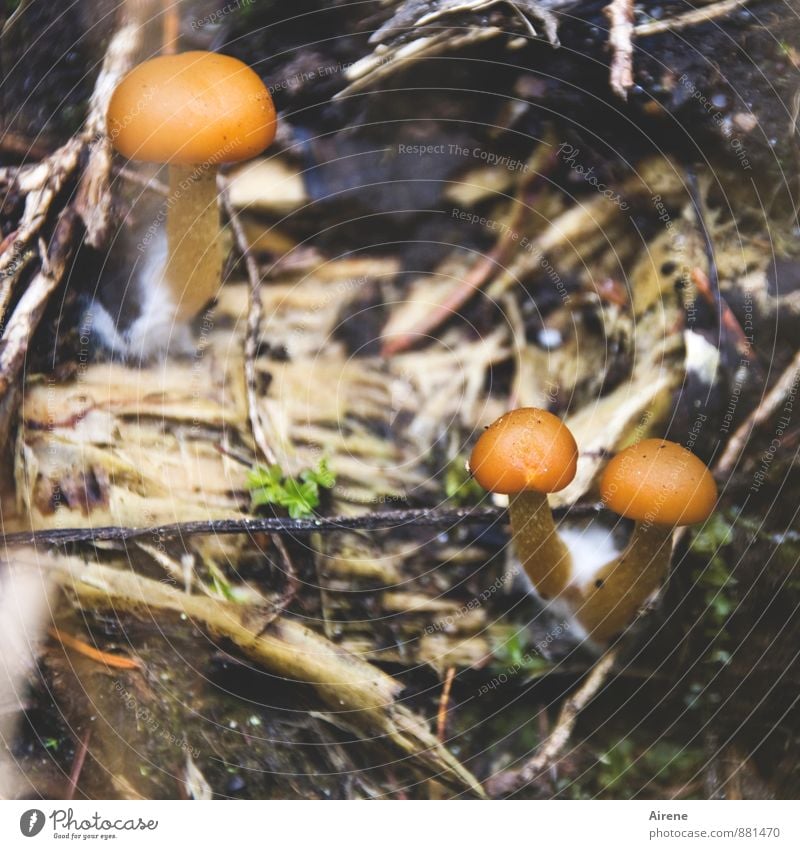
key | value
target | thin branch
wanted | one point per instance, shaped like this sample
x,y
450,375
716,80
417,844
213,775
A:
x,y
786,386
509,782
77,765
620,37
444,704
387,520
713,273
32,304
481,271
254,313
730,323
690,19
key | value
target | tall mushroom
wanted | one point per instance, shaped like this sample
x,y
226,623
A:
x,y
526,454
192,111
662,486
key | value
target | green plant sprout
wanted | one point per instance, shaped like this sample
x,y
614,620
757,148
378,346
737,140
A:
x,y
298,495
459,485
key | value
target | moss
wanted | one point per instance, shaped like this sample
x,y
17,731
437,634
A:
x,y
714,578
459,485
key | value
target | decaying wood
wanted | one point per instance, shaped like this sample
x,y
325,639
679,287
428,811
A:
x,y
418,30
689,19
41,184
540,11
359,695
31,306
620,38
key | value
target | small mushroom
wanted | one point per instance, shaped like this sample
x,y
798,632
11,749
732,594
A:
x,y
661,486
526,454
192,111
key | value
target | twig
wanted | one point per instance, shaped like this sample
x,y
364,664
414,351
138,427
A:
x,y
444,704
522,8
254,314
290,575
729,320
8,282
82,647
475,278
690,19
620,37
93,200
77,765
390,519
380,64
481,271
41,184
32,304
786,385
387,520
713,273
510,782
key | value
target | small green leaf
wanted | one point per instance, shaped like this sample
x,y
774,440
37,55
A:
x,y
322,475
300,495
299,498
260,497
716,533
263,476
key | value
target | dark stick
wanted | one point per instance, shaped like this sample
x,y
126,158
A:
x,y
388,520
77,765
713,272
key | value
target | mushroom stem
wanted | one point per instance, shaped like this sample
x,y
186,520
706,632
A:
x,y
611,600
194,253
540,549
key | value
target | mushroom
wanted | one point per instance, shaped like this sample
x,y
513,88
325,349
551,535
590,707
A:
x,y
192,111
661,486
526,454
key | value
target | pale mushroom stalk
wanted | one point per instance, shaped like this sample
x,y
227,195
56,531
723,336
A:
x,y
193,112
194,251
526,454
661,486
620,588
541,551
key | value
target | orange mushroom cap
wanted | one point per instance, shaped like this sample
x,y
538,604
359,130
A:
x,y
660,482
526,449
189,109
